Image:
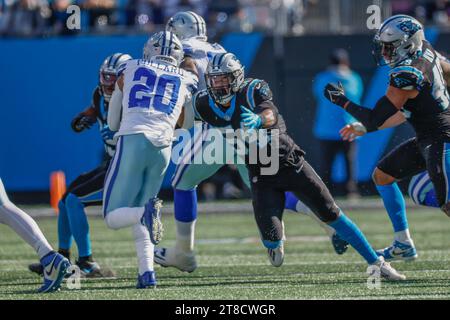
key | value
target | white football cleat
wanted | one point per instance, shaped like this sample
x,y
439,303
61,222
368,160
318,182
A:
x,y
387,271
173,257
276,256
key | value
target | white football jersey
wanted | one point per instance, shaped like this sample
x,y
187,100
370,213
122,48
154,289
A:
x,y
201,51
154,93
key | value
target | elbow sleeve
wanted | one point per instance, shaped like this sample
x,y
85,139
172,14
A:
x,y
374,118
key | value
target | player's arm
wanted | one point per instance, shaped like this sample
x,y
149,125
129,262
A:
x,y
265,113
403,86
88,117
445,64
188,64
115,106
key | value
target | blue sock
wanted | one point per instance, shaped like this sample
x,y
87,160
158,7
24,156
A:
x,y
291,201
185,203
272,244
79,225
395,205
64,233
348,231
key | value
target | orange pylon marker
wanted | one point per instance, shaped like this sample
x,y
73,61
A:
x,y
57,188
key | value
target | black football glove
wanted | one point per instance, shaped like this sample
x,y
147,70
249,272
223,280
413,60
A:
x,y
335,93
82,122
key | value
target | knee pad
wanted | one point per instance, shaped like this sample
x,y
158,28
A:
x,y
446,209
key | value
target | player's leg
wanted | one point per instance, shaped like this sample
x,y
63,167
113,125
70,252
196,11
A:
x,y
403,161
55,265
123,183
437,157
88,190
421,190
184,182
309,187
153,178
268,205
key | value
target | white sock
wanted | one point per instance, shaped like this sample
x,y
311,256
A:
x,y
403,236
144,248
124,217
185,236
25,227
303,209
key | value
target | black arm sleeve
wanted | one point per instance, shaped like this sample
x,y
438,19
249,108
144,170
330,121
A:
x,y
373,118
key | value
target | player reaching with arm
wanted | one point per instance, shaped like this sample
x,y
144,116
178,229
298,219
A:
x,y
145,106
417,93
87,189
54,264
190,28
232,101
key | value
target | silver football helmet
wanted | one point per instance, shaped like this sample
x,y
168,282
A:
x,y
164,46
224,76
187,24
399,38
108,73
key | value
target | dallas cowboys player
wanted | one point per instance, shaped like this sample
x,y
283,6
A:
x,y
87,189
417,93
55,265
145,106
232,101
191,30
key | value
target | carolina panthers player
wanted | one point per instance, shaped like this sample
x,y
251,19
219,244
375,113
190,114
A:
x,y
417,93
87,189
54,264
145,106
231,101
191,30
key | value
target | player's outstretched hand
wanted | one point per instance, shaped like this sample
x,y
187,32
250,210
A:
x,y
249,119
336,94
82,122
351,131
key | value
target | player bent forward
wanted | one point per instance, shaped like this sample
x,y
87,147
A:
x,y
234,102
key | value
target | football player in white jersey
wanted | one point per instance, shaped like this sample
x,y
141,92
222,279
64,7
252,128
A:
x,y
145,106
55,265
190,28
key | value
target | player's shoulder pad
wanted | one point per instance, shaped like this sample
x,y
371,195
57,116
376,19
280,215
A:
x,y
199,100
257,91
407,77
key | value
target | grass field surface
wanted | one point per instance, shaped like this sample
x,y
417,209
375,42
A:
x,y
234,265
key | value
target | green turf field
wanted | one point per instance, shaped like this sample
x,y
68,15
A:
x,y
233,263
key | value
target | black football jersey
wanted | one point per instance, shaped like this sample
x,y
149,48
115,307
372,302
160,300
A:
x,y
255,95
429,112
101,110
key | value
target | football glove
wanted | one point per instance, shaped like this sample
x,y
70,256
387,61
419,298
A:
x,y
250,120
336,94
82,122
107,133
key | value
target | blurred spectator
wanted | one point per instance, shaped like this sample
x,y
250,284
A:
x,y
100,12
24,17
331,118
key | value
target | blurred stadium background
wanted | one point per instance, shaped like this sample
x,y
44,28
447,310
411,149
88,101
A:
x,y
49,72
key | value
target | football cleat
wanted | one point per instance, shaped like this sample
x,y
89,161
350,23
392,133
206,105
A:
x,y
399,251
55,268
91,269
276,256
147,280
152,220
387,271
36,268
339,244
172,257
